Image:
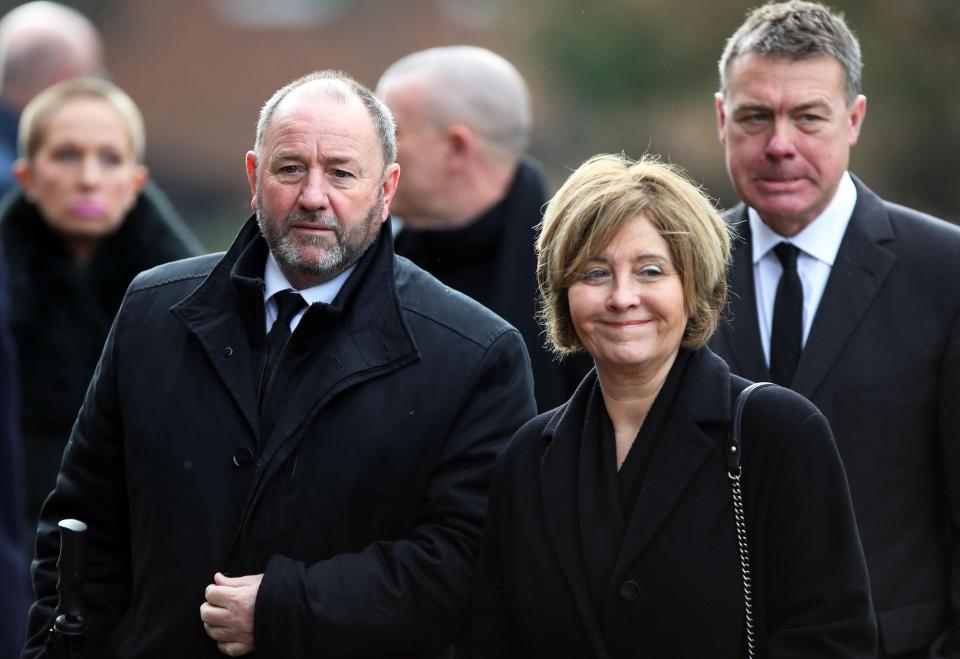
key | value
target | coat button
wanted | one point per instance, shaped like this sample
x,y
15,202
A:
x,y
629,590
228,352
242,457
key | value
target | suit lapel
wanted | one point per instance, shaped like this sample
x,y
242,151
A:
x,y
858,273
742,333
558,482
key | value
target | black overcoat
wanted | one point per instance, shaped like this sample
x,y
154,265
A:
x,y
882,362
364,506
61,314
675,591
493,260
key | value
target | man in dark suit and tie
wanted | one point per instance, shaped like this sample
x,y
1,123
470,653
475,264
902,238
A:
x,y
853,302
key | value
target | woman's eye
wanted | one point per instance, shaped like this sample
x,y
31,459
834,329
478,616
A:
x,y
111,159
651,272
594,274
67,154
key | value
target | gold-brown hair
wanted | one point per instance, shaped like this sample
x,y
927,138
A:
x,y
35,115
589,210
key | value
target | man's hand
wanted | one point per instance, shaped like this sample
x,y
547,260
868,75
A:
x,y
227,614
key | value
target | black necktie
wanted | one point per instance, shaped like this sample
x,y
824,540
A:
x,y
288,304
786,337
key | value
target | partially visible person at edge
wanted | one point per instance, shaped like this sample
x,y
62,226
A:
x,y
611,530
471,198
326,480
74,237
866,324
13,594
41,43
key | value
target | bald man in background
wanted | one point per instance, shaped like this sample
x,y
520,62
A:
x,y
41,43
471,199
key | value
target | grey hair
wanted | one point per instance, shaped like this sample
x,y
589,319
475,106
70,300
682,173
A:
x,y
474,86
383,122
797,30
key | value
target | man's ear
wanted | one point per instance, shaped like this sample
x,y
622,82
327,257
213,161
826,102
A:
x,y
391,178
461,144
721,117
23,176
858,111
251,164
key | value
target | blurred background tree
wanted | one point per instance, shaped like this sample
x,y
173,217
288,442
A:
x,y
607,75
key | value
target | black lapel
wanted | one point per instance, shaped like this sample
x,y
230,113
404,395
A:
x,y
558,482
741,329
858,273
221,319
681,450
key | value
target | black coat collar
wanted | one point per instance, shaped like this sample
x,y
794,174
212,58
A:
x,y
361,334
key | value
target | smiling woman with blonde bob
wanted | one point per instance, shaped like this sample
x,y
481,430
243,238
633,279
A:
x,y
611,529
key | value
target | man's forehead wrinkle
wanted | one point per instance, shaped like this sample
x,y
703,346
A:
x,y
304,131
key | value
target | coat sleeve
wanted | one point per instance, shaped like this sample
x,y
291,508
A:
x,y
491,631
815,598
948,643
90,487
13,593
412,593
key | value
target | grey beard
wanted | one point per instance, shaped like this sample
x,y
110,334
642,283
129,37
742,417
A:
x,y
332,259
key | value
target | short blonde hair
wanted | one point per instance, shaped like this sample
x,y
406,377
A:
x,y
33,121
593,204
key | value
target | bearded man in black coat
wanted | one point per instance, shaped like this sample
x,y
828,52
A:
x,y
286,448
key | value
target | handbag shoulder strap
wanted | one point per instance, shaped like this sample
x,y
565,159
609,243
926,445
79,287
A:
x,y
743,547
733,435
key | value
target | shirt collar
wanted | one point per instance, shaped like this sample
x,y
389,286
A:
x,y
819,239
274,281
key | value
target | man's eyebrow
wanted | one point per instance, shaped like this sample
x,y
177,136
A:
x,y
812,105
751,107
285,155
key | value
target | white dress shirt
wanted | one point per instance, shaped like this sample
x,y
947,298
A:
x,y
818,243
274,282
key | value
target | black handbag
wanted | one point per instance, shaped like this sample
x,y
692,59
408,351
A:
x,y
734,470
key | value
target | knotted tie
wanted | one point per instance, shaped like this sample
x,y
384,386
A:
x,y
786,336
288,304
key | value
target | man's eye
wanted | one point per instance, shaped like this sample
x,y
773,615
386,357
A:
x,y
341,173
808,119
289,169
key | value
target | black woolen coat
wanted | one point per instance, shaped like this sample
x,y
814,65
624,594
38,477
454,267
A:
x,y
364,506
675,590
61,314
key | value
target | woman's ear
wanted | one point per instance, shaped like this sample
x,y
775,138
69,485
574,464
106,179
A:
x,y
23,176
140,177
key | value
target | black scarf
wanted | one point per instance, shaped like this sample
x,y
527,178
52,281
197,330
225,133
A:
x,y
606,496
